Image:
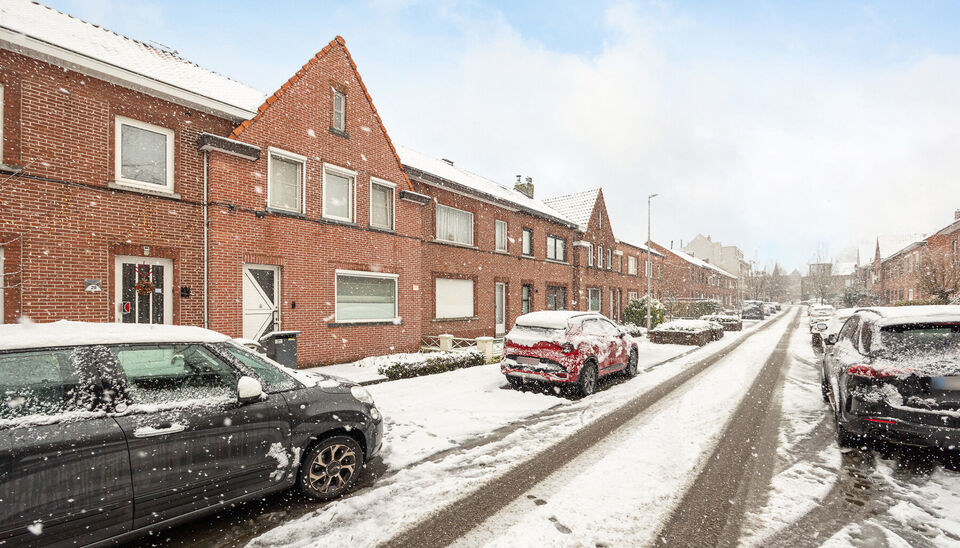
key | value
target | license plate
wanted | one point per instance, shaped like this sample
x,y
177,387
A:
x,y
528,361
946,383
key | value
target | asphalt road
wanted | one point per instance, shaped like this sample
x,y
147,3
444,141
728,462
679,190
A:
x,y
740,467
457,519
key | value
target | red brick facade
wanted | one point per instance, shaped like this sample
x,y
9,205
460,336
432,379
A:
x,y
898,277
68,218
64,219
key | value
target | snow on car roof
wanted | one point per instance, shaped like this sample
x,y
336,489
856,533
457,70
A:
x,y
551,319
67,333
895,315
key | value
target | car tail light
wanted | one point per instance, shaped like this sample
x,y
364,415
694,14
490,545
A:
x,y
871,373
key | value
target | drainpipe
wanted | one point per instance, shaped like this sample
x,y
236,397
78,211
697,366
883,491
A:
x,y
206,241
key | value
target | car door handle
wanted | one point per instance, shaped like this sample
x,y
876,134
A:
x,y
160,430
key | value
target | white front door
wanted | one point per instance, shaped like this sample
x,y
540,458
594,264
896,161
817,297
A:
x,y
500,294
143,290
261,300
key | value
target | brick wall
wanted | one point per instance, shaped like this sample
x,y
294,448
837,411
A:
x,y
61,222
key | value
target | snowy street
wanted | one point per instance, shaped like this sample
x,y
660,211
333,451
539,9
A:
x,y
470,462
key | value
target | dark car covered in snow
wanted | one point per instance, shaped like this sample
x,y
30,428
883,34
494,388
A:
x,y
893,374
108,431
567,348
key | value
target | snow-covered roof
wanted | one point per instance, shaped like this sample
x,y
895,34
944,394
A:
x,y
701,263
844,269
68,333
890,244
551,319
642,247
577,206
45,33
476,185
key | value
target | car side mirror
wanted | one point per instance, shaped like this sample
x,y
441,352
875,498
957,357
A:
x,y
249,390
831,339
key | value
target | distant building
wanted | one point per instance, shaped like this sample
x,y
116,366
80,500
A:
x,y
728,257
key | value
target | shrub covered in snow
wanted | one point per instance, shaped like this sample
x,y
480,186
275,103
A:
x,y
688,326
428,363
636,312
635,330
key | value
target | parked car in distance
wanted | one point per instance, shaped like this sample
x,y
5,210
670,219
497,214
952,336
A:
x,y
109,431
893,374
830,326
819,316
752,311
770,308
567,348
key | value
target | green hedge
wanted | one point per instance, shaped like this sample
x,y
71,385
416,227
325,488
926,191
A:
x,y
434,362
636,312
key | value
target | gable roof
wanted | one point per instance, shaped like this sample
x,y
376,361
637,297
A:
x,y
459,179
577,207
338,40
44,33
703,264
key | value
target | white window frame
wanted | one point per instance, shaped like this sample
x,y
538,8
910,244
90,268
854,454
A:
x,y
555,239
609,259
366,274
393,217
526,237
1,146
333,114
343,172
599,256
293,157
473,236
589,254
473,298
119,122
633,296
632,265
506,236
591,291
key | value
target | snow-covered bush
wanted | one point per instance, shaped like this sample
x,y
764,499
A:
x,y
686,326
636,312
635,330
428,363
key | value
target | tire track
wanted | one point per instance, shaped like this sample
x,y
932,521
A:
x,y
741,464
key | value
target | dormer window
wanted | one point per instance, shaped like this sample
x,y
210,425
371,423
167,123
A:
x,y
339,111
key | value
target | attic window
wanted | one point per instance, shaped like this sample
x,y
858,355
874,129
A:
x,y
339,111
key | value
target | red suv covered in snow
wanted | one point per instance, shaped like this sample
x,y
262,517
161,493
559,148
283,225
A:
x,y
567,348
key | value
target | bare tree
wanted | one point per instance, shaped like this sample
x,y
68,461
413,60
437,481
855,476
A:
x,y
939,276
778,284
758,284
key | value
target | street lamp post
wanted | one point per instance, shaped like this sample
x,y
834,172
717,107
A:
x,y
649,265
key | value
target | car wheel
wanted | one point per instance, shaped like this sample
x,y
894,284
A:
x,y
588,380
847,439
330,468
631,370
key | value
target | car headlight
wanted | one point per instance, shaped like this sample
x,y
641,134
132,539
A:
x,y
361,394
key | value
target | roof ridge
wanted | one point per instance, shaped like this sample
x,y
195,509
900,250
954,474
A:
x,y
171,52
475,174
299,74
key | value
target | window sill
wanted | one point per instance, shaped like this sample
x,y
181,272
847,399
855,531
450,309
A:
x,y
464,319
525,256
554,261
285,213
364,323
501,251
384,230
338,222
117,185
455,244
339,133
7,168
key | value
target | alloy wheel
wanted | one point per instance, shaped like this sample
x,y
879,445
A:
x,y
332,469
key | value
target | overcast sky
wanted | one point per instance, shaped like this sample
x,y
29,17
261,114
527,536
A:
x,y
777,127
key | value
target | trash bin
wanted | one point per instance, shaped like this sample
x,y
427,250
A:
x,y
281,347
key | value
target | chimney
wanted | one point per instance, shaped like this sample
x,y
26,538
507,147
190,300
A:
x,y
525,188
449,162
956,215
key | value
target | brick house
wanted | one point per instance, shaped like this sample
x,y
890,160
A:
x,y
490,252
607,272
102,208
897,277
689,278
314,225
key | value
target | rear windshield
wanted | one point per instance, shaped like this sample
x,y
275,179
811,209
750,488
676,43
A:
x,y
915,339
528,333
